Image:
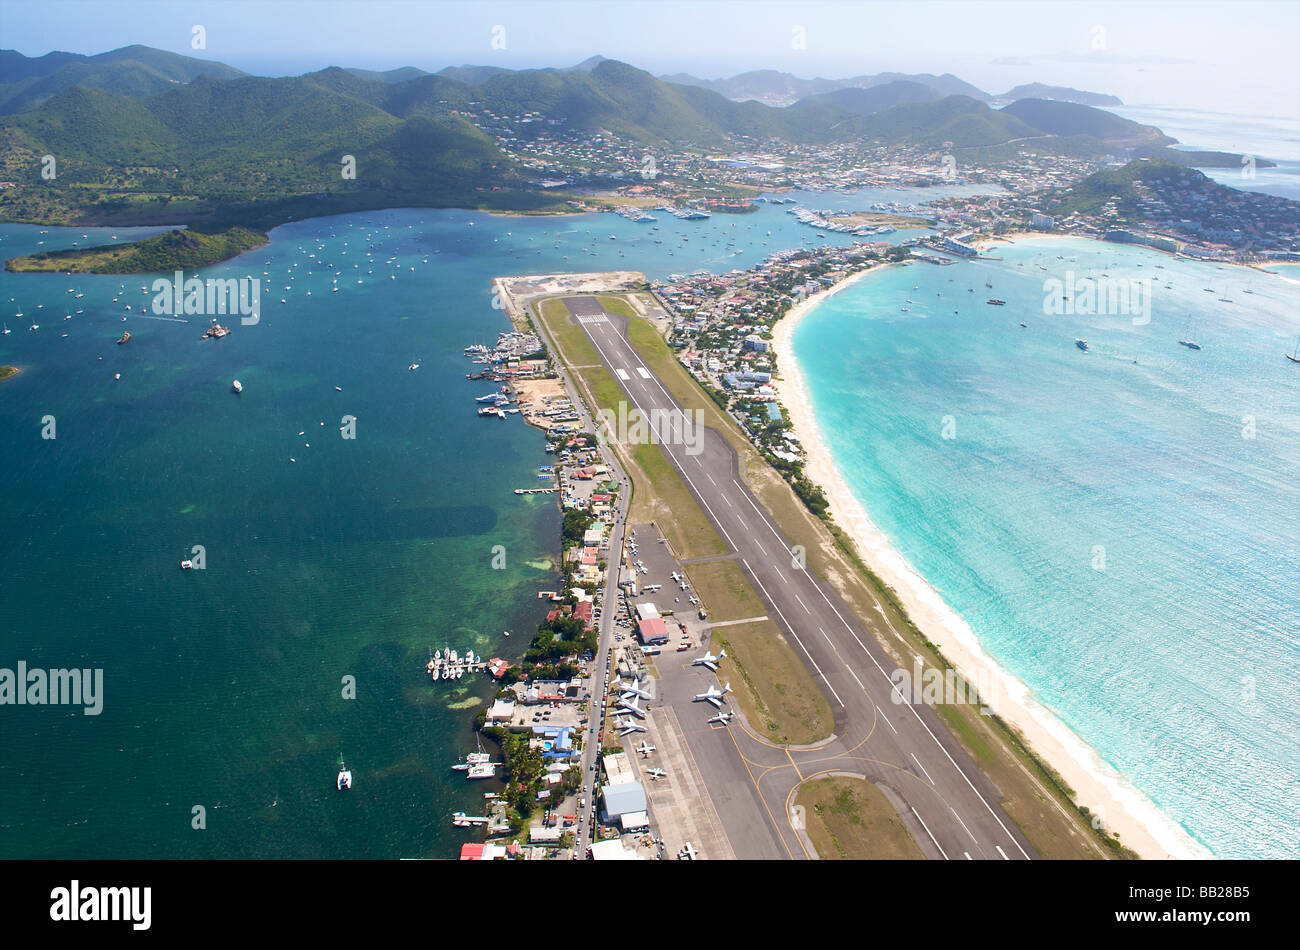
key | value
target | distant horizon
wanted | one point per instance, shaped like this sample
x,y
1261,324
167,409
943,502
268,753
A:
x,y
1145,53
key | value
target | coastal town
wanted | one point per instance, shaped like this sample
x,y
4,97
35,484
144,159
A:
x,y
568,715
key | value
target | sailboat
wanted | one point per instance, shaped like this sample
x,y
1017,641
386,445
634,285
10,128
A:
x,y
7,330
1294,355
1187,340
345,776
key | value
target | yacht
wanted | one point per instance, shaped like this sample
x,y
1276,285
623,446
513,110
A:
x,y
345,776
237,386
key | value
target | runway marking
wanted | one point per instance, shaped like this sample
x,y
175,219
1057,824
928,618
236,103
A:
x,y
643,372
886,718
763,516
790,627
1001,852
968,857
928,832
761,798
593,319
668,451
963,824
922,768
622,374
802,604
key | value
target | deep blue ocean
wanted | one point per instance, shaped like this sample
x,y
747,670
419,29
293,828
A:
x,y
224,687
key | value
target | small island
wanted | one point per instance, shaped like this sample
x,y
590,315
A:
x,y
174,250
7,371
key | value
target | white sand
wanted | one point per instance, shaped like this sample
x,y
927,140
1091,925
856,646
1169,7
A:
x,y
1121,806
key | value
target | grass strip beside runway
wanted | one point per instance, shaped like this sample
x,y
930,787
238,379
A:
x,y
849,819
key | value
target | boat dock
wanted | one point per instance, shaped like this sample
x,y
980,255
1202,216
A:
x,y
535,491
449,665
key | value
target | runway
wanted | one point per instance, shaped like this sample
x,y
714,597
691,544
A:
x,y
947,803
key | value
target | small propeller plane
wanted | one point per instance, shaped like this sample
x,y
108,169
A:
x,y
723,718
656,773
645,749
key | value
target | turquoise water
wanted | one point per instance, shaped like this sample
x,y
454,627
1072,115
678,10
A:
x,y
223,687
1179,659
1272,137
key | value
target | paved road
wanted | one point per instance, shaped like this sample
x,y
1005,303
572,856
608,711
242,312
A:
x,y
947,803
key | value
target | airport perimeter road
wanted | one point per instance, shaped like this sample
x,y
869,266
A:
x,y
950,807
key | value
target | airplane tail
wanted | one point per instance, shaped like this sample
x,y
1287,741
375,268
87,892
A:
x,y
722,653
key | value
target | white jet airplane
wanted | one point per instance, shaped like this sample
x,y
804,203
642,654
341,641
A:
x,y
713,695
709,660
631,689
656,773
630,705
627,728
645,749
723,718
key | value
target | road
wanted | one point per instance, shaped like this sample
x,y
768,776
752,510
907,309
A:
x,y
950,807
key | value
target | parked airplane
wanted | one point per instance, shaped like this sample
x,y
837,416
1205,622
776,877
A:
x,y
709,660
687,853
630,705
656,773
645,749
631,689
723,718
627,728
713,695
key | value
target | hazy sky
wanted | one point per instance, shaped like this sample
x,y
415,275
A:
x,y
1234,55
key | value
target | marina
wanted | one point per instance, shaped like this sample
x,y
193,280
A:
x,y
447,664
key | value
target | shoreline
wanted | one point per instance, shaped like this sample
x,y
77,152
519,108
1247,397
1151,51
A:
x,y
1095,784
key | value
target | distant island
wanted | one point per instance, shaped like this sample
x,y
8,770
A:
x,y
175,249
7,371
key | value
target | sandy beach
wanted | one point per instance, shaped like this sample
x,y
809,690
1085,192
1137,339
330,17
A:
x,y
1121,806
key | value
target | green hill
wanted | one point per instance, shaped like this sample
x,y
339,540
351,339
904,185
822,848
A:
x,y
871,100
186,250
27,82
1071,118
1090,195
960,120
